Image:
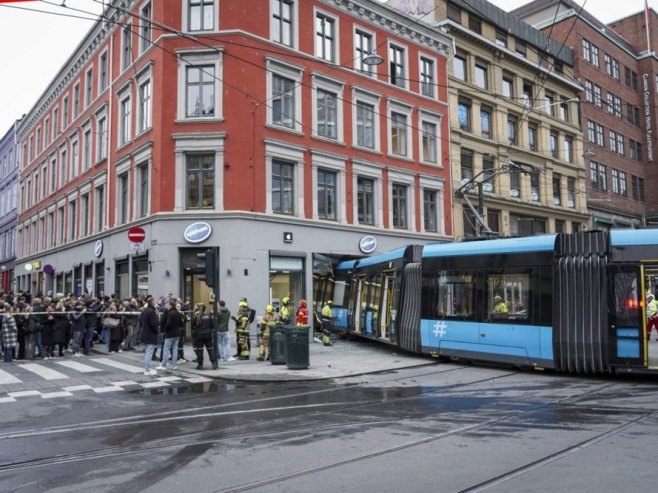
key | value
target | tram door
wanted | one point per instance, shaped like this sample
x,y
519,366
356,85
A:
x,y
627,325
386,319
650,276
358,302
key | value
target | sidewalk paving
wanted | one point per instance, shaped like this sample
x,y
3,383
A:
x,y
341,359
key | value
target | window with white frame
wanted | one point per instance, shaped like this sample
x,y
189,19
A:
x,y
430,138
283,186
65,112
284,92
397,65
86,149
399,119
123,198
427,77
200,181
325,37
73,219
200,15
101,136
399,205
102,72
99,208
326,114
55,123
199,85
126,46
63,166
363,46
146,31
84,214
51,229
89,87
75,156
125,113
365,200
366,118
283,22
76,100
142,189
430,210
326,194
61,226
144,112
53,173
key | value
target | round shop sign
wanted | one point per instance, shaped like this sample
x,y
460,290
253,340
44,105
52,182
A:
x,y
368,244
98,248
197,232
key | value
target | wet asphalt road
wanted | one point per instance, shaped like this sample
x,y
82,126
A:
x,y
444,428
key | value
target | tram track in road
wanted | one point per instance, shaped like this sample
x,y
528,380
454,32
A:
x,y
237,432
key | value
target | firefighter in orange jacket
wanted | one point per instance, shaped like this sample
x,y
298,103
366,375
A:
x,y
302,313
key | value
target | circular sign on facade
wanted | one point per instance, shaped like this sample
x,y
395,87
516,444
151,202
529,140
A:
x,y
197,232
98,248
49,269
136,234
367,244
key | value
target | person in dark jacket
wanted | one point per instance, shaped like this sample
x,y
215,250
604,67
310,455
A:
x,y
174,322
92,316
47,339
150,330
61,327
202,335
77,329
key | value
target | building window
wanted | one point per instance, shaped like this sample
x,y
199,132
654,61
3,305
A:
x,y
459,66
399,200
365,125
564,110
508,86
526,225
144,117
327,114
362,47
325,37
55,123
481,74
464,115
552,140
366,200
532,136
528,99
200,91
65,112
623,189
398,134
101,135
430,211
89,87
589,93
84,215
587,55
535,191
200,172
466,166
501,38
489,180
146,32
521,47
123,199
550,103
512,123
515,184
594,175
397,66
201,15
485,121
603,178
571,192
86,150
124,121
430,142
126,47
454,13
74,159
595,56
283,101
557,190
327,194
63,167
568,149
474,24
76,100
142,189
99,209
598,101
282,187
600,138
102,72
282,22
591,133
427,77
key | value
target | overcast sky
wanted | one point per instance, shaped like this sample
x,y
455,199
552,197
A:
x,y
34,45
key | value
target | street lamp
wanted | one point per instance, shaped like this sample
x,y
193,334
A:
x,y
372,58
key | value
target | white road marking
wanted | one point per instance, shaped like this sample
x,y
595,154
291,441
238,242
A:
x,y
198,379
44,371
153,385
103,390
119,365
24,393
7,378
6,399
81,367
75,388
123,382
51,395
169,379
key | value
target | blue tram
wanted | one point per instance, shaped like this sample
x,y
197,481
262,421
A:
x,y
568,302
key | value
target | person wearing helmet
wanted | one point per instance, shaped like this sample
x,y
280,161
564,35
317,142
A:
x,y
241,319
652,314
269,320
302,313
499,305
327,316
284,312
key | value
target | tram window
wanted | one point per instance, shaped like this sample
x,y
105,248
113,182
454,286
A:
x,y
508,296
455,292
627,296
340,288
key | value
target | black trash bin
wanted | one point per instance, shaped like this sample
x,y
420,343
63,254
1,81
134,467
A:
x,y
278,344
297,347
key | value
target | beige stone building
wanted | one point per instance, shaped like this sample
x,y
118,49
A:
x,y
516,143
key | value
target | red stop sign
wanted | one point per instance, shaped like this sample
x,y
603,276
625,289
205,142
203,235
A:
x,y
136,234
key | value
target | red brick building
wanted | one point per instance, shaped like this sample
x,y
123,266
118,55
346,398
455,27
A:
x,y
254,127
617,107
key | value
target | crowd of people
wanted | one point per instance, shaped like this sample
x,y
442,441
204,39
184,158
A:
x,y
49,326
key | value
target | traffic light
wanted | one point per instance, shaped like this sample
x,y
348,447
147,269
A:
x,y
208,262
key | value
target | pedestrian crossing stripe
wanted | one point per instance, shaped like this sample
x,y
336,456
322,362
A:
x,y
119,365
7,378
43,371
77,366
